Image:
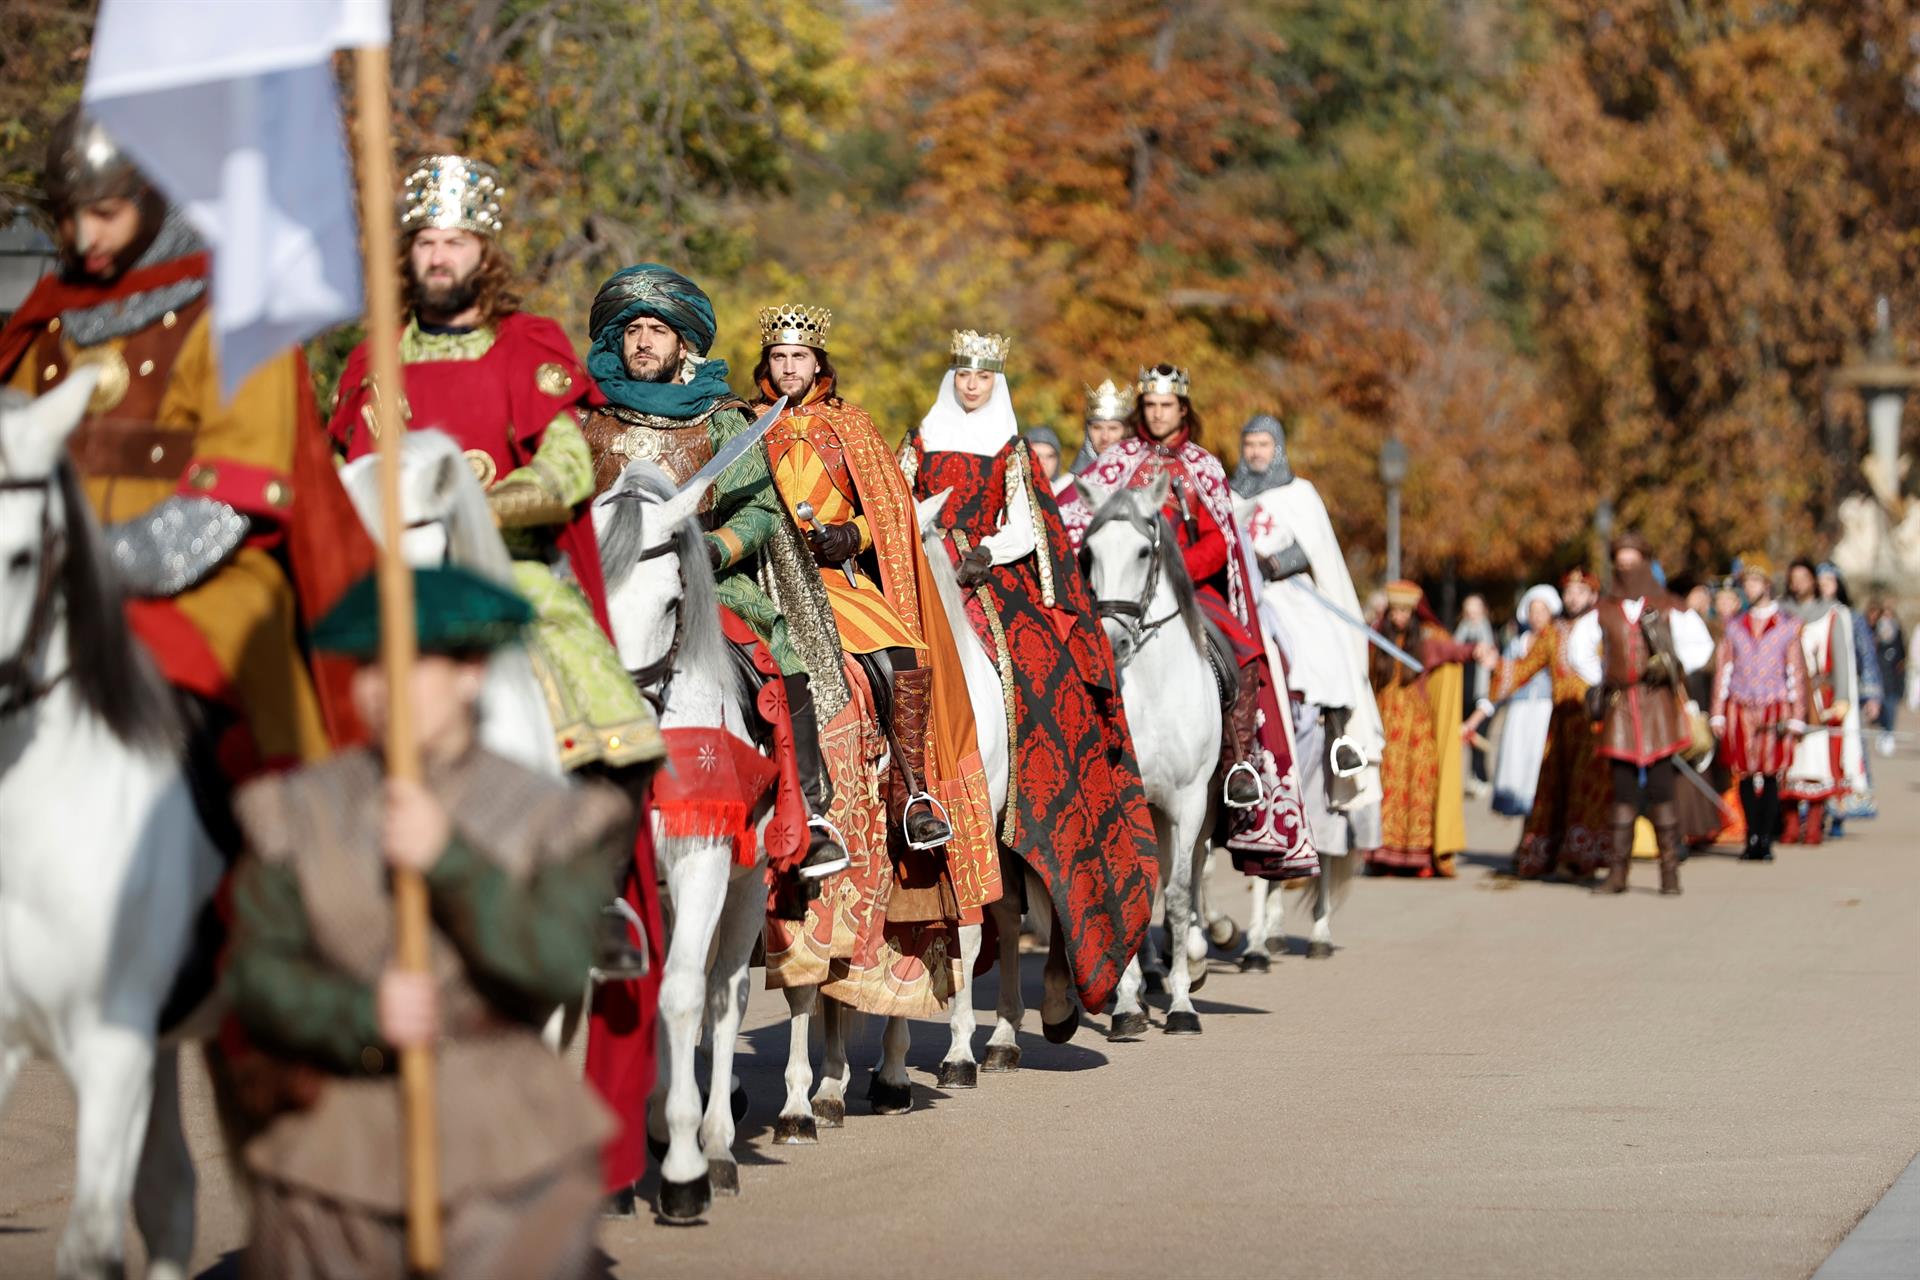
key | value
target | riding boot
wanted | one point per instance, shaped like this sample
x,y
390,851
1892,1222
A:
x,y
825,855
1620,856
1750,810
1666,827
1768,808
1243,789
909,806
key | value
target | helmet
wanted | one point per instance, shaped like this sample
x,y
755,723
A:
x,y
84,164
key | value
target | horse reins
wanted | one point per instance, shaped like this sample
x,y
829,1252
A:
x,y
18,689
1132,614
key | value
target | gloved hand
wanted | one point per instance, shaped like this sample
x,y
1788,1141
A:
x,y
716,557
974,566
834,543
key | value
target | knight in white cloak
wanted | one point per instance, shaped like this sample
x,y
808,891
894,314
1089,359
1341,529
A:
x,y
1336,722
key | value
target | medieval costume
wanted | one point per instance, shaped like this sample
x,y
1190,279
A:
x,y
1075,810
1266,829
1337,726
1871,690
223,515
1637,647
1529,714
1422,822
1076,513
1762,702
515,894
923,859
1827,760
508,391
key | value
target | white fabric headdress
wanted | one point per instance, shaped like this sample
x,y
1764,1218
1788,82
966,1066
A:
x,y
949,428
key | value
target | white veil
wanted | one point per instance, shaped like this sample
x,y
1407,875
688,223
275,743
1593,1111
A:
x,y
950,428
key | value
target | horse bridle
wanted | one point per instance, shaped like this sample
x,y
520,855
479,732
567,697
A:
x,y
655,680
18,689
1132,614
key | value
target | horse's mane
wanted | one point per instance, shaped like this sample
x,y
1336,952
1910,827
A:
x,y
641,488
112,675
1173,568
472,540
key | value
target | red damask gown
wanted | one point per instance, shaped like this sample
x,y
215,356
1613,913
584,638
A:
x,y
1076,811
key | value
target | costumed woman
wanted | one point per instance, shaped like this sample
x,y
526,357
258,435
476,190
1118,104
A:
x,y
1529,708
1422,822
1076,813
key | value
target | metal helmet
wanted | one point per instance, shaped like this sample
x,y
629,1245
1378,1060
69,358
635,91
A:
x,y
1280,471
84,163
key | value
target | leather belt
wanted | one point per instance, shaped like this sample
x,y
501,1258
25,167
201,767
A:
x,y
131,449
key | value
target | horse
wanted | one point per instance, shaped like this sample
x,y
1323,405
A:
x,y
445,520
1147,606
105,865
1266,925
666,627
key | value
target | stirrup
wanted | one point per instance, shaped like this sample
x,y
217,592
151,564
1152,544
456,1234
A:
x,y
820,871
1226,786
1354,754
643,964
939,811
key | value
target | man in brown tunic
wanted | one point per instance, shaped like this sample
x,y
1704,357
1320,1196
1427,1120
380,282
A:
x,y
516,867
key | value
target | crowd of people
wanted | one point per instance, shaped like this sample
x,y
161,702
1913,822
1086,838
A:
x,y
1347,729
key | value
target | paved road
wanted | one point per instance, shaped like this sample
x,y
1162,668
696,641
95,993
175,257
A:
x,y
1489,1079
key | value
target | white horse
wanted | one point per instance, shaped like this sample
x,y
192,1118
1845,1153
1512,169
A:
x,y
1147,606
446,521
1266,926
104,863
666,626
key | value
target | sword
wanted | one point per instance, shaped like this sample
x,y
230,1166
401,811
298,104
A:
x,y
1374,638
805,512
730,452
1692,775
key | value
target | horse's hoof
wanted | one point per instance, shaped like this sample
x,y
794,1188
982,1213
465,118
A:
x,y
1128,1026
1197,974
724,1176
1155,983
1255,962
1319,950
889,1099
1225,934
1061,1032
738,1101
1001,1057
795,1131
621,1204
685,1201
959,1075
830,1112
1182,1022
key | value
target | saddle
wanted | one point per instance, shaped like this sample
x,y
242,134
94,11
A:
x,y
1220,656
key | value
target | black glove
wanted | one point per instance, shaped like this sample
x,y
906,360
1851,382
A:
x,y
834,543
1278,566
974,566
716,556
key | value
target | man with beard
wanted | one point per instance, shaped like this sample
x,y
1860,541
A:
x,y
1637,648
225,521
1762,703
505,385
1336,721
670,405
839,481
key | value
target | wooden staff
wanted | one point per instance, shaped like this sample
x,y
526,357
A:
x,y
397,639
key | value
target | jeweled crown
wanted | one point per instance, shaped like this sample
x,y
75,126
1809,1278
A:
x,y
794,324
1152,382
452,193
979,350
1108,403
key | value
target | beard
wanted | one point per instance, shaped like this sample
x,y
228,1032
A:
x,y
446,296
665,371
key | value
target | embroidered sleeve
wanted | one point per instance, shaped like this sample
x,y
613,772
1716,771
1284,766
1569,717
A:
x,y
1014,539
1723,675
745,499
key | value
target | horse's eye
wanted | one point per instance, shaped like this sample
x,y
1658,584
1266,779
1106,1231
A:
x,y
20,562
1140,554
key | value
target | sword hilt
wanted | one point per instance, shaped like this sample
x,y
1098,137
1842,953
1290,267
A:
x,y
806,513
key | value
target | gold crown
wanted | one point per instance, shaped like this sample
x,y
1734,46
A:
x,y
979,350
452,193
796,325
1154,383
1108,403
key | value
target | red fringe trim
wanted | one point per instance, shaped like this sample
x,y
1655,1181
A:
x,y
713,819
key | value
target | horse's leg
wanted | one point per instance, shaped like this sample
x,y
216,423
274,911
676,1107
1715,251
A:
x,y
12,1058
1043,921
890,1092
698,883
796,1124
745,916
1129,1015
1153,965
957,1070
1222,930
1320,940
1176,835
1059,1011
163,1189
112,1069
1003,1046
830,1100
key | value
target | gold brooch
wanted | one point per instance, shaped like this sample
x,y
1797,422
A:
x,y
114,377
553,379
484,467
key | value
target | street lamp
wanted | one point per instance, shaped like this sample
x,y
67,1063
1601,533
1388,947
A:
x,y
26,253
1393,474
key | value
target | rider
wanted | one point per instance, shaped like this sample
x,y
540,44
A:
x,y
507,387
1075,810
669,404
1075,513
223,515
1267,829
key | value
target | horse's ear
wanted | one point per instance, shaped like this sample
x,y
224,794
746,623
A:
x,y
1097,494
51,418
927,510
446,473
681,507
1155,494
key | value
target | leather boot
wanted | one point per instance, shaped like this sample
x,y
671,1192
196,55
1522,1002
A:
x,y
1242,789
825,852
1618,858
1666,827
909,806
